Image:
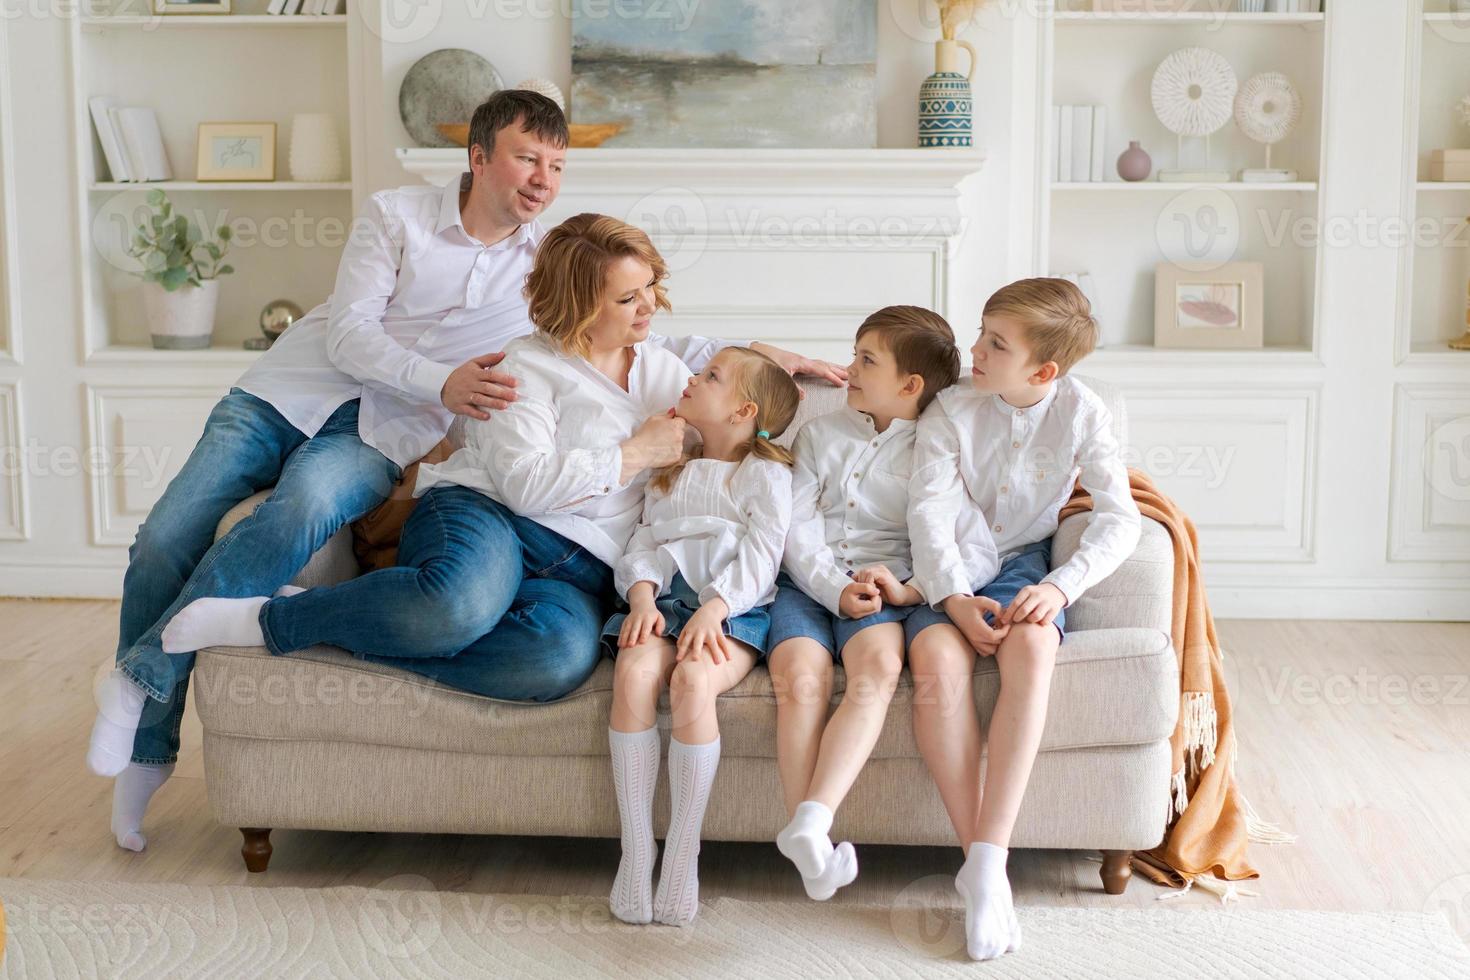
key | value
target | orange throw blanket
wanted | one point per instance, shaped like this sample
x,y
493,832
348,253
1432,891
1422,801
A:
x,y
1207,831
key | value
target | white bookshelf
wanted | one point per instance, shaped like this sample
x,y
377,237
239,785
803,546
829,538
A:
x,y
1436,268
289,234
1119,231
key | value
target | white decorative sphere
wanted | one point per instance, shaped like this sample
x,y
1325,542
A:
x,y
1194,92
1268,107
546,88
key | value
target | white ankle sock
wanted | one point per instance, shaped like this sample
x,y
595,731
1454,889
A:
x,y
841,870
635,777
215,622
991,927
804,840
691,774
131,791
119,708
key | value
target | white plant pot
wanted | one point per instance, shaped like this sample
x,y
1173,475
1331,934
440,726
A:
x,y
182,319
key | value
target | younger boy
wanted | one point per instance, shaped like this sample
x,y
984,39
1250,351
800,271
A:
x,y
843,597
994,462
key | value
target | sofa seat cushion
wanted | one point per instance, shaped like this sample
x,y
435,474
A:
x,y
1111,687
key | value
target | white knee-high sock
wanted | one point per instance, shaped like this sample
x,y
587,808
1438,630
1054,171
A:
x,y
119,709
635,777
691,775
215,622
131,791
991,927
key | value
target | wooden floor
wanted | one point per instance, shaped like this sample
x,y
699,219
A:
x,y
1355,736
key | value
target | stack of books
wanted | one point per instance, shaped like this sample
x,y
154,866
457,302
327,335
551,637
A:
x,y
314,8
1079,139
130,141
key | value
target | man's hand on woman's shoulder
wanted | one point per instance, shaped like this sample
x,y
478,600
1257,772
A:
x,y
475,388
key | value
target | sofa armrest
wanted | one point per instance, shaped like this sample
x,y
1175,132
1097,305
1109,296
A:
x,y
333,563
1139,593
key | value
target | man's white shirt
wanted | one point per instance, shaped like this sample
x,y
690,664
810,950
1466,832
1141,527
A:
x,y
415,297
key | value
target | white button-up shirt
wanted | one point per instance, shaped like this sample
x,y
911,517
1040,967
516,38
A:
x,y
850,508
415,297
554,455
991,478
722,526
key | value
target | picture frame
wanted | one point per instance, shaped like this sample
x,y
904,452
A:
x,y
1220,308
191,6
236,151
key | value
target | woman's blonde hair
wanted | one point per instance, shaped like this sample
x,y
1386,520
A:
x,y
568,281
760,380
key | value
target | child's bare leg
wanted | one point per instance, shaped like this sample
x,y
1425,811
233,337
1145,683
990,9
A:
x,y
639,676
694,755
801,677
1025,658
946,722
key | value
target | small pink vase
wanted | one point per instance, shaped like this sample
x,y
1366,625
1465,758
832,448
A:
x,y
1135,164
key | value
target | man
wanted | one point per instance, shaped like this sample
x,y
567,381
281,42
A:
x,y
428,289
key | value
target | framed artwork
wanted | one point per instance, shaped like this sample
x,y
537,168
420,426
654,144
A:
x,y
236,151
1221,308
191,6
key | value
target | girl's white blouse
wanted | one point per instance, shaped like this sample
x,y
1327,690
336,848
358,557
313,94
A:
x,y
721,525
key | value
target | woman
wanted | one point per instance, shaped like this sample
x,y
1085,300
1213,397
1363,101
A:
x,y
505,565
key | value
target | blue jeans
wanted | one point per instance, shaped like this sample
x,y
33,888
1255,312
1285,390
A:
x,y
320,484
483,600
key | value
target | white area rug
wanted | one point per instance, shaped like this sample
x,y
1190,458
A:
x,y
67,929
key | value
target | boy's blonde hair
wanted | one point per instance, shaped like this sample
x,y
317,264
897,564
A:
x,y
761,380
1056,316
568,281
921,343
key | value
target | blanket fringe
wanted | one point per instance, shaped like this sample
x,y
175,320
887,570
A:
x,y
1259,831
1198,719
1227,891
1179,796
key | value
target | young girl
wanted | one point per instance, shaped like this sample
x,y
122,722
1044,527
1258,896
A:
x,y
697,575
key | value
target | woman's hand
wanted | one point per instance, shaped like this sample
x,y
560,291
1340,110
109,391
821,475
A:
x,y
659,441
798,366
895,593
643,621
705,631
968,615
860,599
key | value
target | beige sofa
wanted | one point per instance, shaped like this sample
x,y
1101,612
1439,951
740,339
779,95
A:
x,y
321,741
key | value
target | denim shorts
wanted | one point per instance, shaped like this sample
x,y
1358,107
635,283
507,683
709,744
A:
x,y
794,614
1027,568
679,605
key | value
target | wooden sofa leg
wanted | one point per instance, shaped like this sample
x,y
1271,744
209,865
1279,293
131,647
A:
x,y
1117,868
257,848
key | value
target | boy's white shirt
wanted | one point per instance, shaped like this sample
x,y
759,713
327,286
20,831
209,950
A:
x,y
850,487
722,526
990,479
554,454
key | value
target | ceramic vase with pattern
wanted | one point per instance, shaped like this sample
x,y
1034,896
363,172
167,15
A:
x,y
945,98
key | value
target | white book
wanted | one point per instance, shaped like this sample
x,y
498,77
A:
x,y
292,7
108,136
1099,143
276,7
1082,142
1056,126
145,144
133,167
1064,146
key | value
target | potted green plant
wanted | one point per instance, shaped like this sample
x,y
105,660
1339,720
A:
x,y
180,274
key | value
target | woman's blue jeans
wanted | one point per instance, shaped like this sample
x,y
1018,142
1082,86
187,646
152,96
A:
x,y
482,600
321,483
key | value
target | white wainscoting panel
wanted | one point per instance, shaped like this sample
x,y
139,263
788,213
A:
x,y
14,509
1430,520
142,436
1241,462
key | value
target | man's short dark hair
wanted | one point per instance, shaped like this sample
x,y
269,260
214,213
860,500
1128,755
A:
x,y
534,111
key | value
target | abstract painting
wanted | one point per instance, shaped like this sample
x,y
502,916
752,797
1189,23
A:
x,y
732,73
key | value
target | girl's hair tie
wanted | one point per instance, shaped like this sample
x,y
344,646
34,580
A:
x,y
763,434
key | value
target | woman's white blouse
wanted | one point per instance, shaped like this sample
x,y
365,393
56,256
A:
x,y
990,479
721,525
851,496
554,455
